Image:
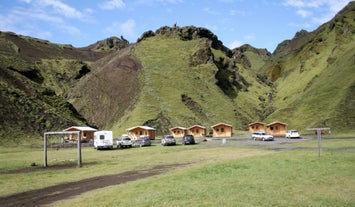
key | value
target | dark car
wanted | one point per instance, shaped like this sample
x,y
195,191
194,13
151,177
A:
x,y
142,141
168,140
188,139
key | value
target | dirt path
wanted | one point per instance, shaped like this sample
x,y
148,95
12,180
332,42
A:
x,y
66,190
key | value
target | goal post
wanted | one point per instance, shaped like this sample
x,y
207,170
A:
x,y
318,132
77,133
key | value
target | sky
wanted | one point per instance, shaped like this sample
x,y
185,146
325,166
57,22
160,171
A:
x,y
260,23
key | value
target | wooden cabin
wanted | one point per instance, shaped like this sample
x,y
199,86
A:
x,y
135,132
276,128
197,131
86,133
222,130
178,131
257,127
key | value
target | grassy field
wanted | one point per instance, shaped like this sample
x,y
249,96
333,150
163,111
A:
x,y
213,175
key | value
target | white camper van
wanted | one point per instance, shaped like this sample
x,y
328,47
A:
x,y
103,140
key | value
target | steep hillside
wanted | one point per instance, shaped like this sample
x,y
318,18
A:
x,y
251,57
185,79
171,77
178,76
175,93
314,78
35,80
254,100
104,95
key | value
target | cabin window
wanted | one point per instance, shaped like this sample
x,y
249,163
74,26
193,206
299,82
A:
x,y
257,127
197,131
102,136
222,129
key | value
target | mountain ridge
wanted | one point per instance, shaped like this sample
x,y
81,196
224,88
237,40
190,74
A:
x,y
178,76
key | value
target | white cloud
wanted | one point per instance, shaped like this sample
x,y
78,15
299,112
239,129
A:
x,y
152,2
249,37
41,19
234,12
129,27
54,7
126,29
26,1
171,1
61,8
304,13
294,3
332,6
229,1
210,11
305,25
112,4
336,5
319,11
13,22
235,44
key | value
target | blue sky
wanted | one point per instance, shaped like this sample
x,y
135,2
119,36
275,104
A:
x,y
260,23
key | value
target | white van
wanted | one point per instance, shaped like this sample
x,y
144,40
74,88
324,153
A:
x,y
103,140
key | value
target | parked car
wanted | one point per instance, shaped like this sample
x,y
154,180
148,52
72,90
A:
x,y
143,140
292,134
168,140
188,139
124,141
262,136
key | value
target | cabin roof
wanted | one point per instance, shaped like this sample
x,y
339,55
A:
x,y
182,128
80,128
257,122
142,127
198,126
276,122
221,123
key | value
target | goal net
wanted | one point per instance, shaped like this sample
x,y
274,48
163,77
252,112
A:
x,y
54,142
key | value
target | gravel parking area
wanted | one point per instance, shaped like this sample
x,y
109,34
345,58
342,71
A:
x,y
279,143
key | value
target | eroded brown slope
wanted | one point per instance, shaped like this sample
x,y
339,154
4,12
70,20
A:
x,y
104,95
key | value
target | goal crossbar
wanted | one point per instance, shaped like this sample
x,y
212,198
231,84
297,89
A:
x,y
319,136
45,164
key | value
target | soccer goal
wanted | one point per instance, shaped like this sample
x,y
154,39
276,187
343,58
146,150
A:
x,y
318,132
58,140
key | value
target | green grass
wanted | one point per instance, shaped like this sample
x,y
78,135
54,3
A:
x,y
292,178
95,163
166,76
329,143
316,92
217,175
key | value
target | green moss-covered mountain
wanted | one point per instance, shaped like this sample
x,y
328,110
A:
x,y
178,76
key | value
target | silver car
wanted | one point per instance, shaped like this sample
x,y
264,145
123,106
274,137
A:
x,y
124,141
262,136
168,140
142,141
